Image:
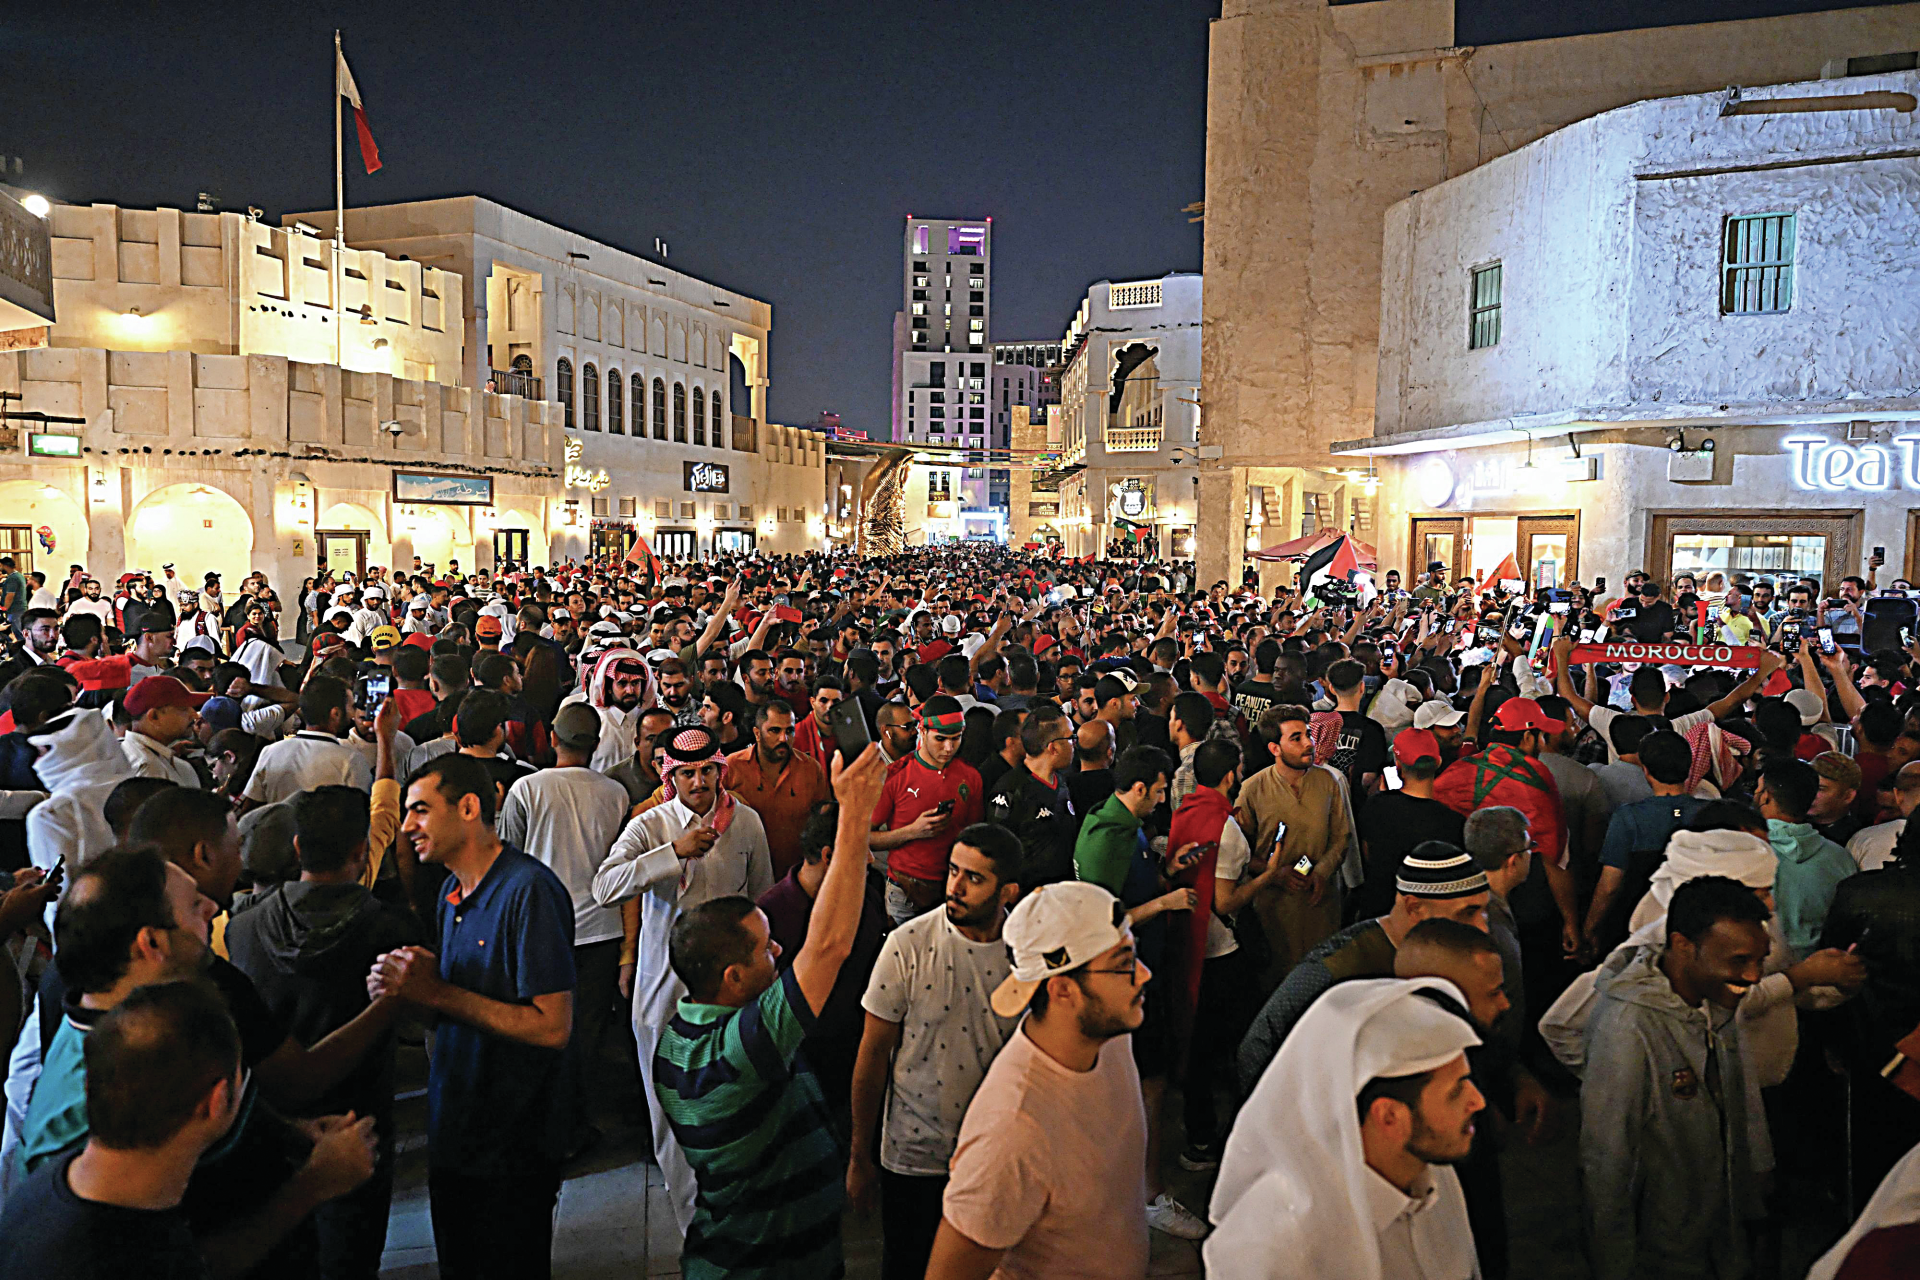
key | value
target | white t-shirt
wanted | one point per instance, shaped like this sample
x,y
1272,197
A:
x,y
1872,849
1230,865
307,760
935,982
569,819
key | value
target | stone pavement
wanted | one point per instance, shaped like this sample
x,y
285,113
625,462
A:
x,y
615,1221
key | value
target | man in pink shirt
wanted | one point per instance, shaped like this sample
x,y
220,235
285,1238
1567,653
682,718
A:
x,y
1048,1179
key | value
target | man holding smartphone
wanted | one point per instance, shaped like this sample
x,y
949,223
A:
x,y
929,795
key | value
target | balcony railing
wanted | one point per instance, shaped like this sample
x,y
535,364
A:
x,y
515,382
1134,439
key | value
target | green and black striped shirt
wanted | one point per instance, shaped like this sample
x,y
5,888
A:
x,y
749,1115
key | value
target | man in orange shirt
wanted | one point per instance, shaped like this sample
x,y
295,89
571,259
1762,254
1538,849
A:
x,y
778,783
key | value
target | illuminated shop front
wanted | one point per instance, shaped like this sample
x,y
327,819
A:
x,y
1767,501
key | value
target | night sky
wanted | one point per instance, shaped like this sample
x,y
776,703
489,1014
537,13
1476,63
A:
x,y
776,147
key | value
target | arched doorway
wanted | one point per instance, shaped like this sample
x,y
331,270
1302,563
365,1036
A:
x,y
518,537
193,527
350,536
440,536
27,507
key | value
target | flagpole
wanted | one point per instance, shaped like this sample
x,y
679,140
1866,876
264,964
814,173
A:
x,y
339,203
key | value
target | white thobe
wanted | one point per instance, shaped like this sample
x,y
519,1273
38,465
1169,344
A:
x,y
643,863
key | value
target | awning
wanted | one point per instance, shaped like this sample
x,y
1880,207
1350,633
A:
x,y
1302,547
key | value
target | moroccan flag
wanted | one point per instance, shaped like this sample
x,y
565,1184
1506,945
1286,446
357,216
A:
x,y
1506,570
1337,558
343,81
643,554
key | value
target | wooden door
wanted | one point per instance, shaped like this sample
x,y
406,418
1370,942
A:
x,y
1549,549
1442,538
342,549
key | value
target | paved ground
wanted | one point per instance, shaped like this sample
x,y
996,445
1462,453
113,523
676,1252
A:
x,y
615,1222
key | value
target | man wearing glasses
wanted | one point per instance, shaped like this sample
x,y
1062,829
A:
x,y
1046,1180
1032,799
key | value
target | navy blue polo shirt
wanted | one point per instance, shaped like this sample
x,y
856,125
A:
x,y
1645,826
495,1105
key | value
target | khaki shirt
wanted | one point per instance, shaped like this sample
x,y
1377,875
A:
x,y
1316,818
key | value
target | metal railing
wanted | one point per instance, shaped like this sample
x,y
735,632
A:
x,y
515,382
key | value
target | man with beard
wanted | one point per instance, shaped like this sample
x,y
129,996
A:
x,y
676,692
777,782
929,795
756,676
930,1036
90,602
1046,1174
697,846
617,690
1368,1107
790,680
813,736
1667,1107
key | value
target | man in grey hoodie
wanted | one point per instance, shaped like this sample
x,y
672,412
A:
x,y
1666,1148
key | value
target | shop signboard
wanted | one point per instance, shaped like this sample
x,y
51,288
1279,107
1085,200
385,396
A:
x,y
44,444
1836,466
706,477
431,488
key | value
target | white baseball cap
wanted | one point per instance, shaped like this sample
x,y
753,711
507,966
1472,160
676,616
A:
x,y
1056,929
1436,711
1808,704
951,624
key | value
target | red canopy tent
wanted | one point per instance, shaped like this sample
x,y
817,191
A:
x,y
1302,547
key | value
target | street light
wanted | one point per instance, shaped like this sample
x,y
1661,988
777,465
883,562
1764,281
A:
x,y
36,204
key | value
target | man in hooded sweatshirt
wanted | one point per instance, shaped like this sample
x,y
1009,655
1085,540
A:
x,y
308,944
1668,1153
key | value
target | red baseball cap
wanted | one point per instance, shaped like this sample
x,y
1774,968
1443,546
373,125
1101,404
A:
x,y
156,692
419,640
1516,715
487,626
1411,746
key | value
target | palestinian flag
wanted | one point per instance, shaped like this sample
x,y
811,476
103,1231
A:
x,y
1336,559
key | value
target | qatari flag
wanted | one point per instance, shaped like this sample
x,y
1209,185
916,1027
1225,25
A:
x,y
343,81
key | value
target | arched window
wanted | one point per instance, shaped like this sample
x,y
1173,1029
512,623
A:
x,y
639,405
719,439
679,413
659,409
616,395
589,397
699,416
563,384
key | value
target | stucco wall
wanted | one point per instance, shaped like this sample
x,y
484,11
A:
x,y
1609,234
268,447
1319,118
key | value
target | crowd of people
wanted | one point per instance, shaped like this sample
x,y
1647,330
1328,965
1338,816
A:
x,y
971,888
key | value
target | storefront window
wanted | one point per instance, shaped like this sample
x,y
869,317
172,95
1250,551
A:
x,y
733,540
1793,555
675,543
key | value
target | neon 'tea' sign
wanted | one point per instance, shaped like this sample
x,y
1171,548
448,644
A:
x,y
1833,466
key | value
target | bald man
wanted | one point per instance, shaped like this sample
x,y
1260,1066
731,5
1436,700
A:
x,y
1092,782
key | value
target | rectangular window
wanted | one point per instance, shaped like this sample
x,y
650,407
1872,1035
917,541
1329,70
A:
x,y
937,397
976,295
920,282
966,241
919,242
1483,313
627,507
919,308
977,268
976,325
1756,277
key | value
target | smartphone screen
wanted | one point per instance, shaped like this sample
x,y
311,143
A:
x,y
1826,640
374,688
1304,866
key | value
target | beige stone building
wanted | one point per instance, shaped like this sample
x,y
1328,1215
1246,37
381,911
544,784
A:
x,y
219,394
660,378
1319,118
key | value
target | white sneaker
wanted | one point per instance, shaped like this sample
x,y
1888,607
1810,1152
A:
x,y
1164,1213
